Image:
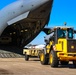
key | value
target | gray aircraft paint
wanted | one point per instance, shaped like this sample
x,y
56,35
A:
x,y
13,10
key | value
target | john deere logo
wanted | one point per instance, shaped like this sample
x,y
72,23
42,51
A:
x,y
72,47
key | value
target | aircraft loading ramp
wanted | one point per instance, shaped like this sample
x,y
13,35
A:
x,y
10,52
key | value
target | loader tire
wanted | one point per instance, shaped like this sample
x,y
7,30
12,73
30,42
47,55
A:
x,y
43,58
53,59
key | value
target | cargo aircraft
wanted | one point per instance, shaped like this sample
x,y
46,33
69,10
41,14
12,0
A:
x,y
22,20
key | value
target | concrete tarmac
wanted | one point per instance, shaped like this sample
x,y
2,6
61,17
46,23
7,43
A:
x,y
18,66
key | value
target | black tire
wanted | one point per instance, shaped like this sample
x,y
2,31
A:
x,y
26,57
64,62
74,63
53,59
43,58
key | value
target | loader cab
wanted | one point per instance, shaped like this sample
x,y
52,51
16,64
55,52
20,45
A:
x,y
63,33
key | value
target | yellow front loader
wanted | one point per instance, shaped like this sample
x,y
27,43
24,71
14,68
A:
x,y
60,46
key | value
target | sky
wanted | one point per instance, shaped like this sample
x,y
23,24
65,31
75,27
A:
x,y
62,11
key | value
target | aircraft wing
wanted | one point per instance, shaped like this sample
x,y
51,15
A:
x,y
18,18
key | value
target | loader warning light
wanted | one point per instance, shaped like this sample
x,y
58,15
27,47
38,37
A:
x,y
72,47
